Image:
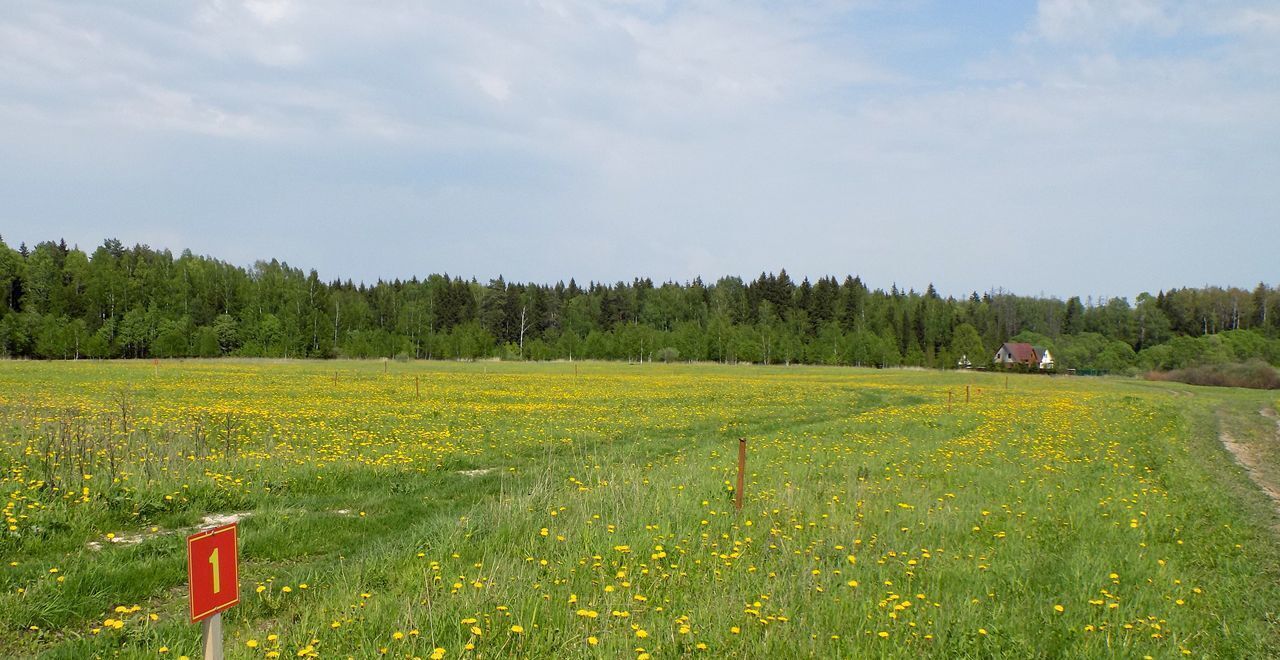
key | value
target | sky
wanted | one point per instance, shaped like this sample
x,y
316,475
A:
x,y
1065,147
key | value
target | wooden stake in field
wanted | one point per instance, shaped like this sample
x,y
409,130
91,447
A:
x,y
742,471
211,628
1006,382
417,389
335,377
966,394
948,400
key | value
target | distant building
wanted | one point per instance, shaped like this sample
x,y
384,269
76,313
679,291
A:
x,y
1033,357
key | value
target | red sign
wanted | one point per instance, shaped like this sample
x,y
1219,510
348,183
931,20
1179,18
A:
x,y
213,569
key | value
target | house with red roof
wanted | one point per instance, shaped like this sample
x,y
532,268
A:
x,y
1022,353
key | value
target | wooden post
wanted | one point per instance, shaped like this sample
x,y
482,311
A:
x,y
417,388
384,366
966,394
212,630
335,377
1006,382
742,470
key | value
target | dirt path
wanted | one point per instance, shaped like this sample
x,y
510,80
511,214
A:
x,y
1248,457
209,522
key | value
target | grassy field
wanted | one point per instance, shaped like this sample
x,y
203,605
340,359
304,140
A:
x,y
586,510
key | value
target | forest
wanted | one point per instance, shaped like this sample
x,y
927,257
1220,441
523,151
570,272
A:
x,y
139,302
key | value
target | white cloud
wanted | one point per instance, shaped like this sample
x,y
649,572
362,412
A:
x,y
1099,20
493,85
1253,21
270,11
155,108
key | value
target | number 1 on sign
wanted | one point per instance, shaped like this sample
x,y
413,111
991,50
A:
x,y
213,561
212,570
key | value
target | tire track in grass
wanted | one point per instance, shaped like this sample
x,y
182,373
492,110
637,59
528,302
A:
x,y
1250,459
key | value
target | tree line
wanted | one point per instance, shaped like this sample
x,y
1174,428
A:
x,y
137,302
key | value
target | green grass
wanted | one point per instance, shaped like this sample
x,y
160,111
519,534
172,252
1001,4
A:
x,y
983,516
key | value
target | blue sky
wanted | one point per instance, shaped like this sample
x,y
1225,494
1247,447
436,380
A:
x,y
1061,147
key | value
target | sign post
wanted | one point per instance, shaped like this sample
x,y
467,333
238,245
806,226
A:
x,y
214,573
211,630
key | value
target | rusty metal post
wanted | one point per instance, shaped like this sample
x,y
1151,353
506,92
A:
x,y
742,471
